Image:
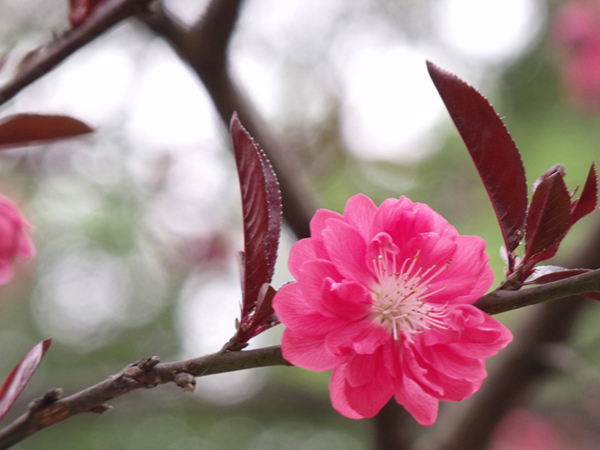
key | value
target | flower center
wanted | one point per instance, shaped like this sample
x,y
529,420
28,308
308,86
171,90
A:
x,y
399,296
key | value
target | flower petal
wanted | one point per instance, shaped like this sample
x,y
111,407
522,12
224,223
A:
x,y
337,388
362,337
307,353
361,369
396,217
422,406
435,382
368,399
346,249
469,276
319,221
349,300
359,213
324,289
315,279
302,251
454,364
294,311
421,372
483,336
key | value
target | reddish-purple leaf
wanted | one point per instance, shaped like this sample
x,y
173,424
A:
x,y
27,129
261,204
548,274
588,200
264,316
556,168
20,375
275,211
494,153
548,218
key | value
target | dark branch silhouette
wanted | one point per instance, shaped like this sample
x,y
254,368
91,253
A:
x,y
42,60
204,47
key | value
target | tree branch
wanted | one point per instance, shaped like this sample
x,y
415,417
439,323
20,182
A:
x,y
500,301
204,47
44,59
147,373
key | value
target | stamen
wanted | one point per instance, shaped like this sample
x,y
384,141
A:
x,y
399,296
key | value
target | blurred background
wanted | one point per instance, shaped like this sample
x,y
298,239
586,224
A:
x,y
137,226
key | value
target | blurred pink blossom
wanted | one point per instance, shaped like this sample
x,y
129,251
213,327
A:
x,y
523,430
384,297
14,242
576,30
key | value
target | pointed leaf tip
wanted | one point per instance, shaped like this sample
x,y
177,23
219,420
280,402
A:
x,y
588,200
265,316
261,204
492,149
548,218
16,381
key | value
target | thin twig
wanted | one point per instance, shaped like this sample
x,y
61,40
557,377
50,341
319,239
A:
x,y
500,301
41,61
147,373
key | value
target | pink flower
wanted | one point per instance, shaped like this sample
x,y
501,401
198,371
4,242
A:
x,y
576,29
13,240
384,298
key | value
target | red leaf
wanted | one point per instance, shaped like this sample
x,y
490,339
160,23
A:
x,y
20,375
265,316
494,153
27,129
591,295
588,200
548,274
556,168
547,219
261,204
